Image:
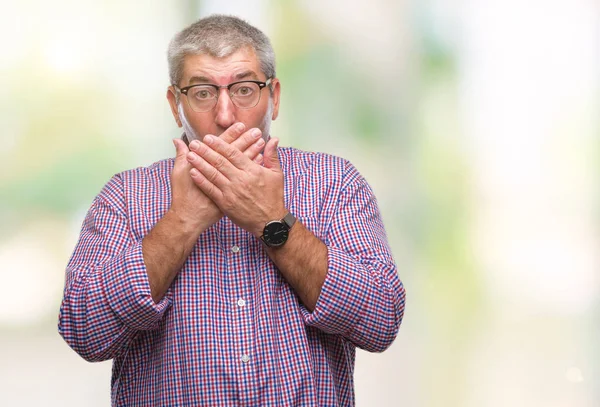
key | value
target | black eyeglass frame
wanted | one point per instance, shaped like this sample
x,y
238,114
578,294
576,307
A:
x,y
261,86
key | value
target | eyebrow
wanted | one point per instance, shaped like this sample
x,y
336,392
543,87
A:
x,y
199,79
245,75
236,77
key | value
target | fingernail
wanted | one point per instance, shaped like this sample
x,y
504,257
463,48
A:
x,y
194,144
208,139
260,143
191,156
240,127
194,172
256,133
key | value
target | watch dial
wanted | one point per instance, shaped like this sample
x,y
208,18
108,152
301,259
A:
x,y
275,234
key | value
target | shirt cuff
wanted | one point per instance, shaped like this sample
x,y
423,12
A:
x,y
127,289
342,299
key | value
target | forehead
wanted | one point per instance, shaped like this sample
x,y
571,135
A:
x,y
222,70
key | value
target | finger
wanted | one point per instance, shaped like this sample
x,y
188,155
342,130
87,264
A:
x,y
233,132
259,159
271,156
212,157
232,155
208,171
209,189
247,139
255,149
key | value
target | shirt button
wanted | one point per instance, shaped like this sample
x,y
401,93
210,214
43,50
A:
x,y
245,358
241,302
235,248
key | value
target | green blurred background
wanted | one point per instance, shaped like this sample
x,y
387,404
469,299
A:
x,y
475,122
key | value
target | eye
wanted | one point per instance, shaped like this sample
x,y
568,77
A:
x,y
244,90
202,93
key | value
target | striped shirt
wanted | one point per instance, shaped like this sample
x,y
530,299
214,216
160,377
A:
x,y
230,331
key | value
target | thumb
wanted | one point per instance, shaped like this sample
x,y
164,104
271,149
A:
x,y
181,149
271,157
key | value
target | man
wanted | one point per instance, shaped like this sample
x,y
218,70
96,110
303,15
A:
x,y
239,273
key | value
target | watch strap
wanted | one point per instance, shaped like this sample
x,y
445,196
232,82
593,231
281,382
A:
x,y
289,220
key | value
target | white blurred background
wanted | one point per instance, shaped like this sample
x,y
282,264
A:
x,y
476,122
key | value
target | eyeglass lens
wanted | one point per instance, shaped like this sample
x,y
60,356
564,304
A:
x,y
204,97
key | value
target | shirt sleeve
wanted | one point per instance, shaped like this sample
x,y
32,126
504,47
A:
x,y
107,297
362,298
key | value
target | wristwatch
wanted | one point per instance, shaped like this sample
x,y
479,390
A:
x,y
276,232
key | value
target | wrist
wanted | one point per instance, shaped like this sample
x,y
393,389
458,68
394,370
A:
x,y
272,216
189,225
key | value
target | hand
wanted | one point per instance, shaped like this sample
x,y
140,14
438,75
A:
x,y
188,202
248,193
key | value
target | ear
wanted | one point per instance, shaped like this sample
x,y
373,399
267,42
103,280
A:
x,y
173,103
275,95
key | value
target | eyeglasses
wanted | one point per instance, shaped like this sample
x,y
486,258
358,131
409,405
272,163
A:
x,y
243,94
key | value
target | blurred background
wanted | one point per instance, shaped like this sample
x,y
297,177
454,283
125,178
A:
x,y
476,122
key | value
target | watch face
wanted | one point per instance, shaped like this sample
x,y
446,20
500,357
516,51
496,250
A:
x,y
275,233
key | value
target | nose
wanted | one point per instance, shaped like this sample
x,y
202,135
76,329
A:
x,y
225,110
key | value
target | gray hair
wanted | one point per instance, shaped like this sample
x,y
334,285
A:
x,y
219,36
